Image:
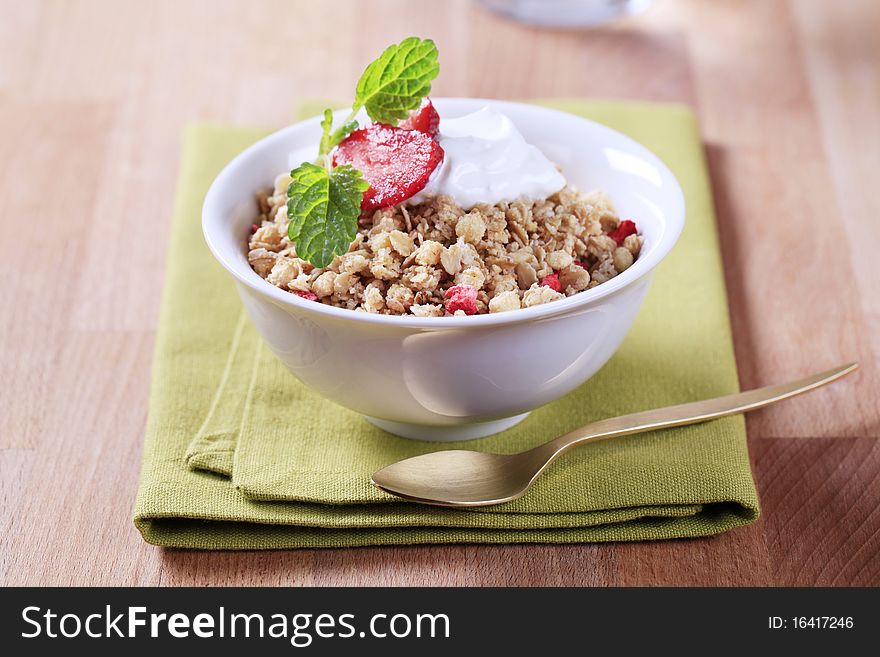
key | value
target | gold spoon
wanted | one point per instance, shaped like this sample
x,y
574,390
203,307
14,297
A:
x,y
462,478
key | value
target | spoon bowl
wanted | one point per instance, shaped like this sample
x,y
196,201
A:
x,y
468,478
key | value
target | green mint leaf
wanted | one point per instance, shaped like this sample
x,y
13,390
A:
x,y
323,207
330,138
395,84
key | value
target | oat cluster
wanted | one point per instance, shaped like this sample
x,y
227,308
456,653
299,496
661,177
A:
x,y
405,258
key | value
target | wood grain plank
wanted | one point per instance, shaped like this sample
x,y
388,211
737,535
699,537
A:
x,y
20,19
16,466
276,568
44,214
779,223
821,501
510,565
736,558
841,51
77,505
525,62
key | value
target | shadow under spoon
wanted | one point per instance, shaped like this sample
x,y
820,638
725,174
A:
x,y
463,478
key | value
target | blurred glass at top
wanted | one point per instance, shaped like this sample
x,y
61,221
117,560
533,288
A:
x,y
566,13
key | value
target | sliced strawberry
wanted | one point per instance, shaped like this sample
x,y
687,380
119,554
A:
x,y
424,119
396,162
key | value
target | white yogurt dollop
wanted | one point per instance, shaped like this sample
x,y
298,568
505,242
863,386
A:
x,y
487,160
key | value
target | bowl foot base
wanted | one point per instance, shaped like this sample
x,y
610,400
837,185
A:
x,y
447,434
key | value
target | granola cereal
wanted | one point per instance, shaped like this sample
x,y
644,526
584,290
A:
x,y
406,258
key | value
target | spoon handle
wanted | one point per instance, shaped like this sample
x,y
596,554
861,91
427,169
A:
x,y
690,413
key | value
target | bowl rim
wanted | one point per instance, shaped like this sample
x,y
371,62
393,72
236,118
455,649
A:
x,y
643,266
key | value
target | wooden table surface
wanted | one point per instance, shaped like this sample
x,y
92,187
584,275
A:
x,y
93,98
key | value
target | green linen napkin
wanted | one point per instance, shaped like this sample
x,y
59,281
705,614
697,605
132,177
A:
x,y
240,455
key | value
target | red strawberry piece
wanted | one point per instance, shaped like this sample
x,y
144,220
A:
x,y
551,281
581,264
424,119
254,228
308,296
396,162
461,297
624,229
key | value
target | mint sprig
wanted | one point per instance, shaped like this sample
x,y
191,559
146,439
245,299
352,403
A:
x,y
396,83
324,202
323,207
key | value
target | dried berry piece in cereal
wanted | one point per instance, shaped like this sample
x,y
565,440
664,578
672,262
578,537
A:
x,y
461,297
308,296
624,229
396,162
551,281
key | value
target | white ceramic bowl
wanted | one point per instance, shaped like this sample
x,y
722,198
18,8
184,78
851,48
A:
x,y
454,378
